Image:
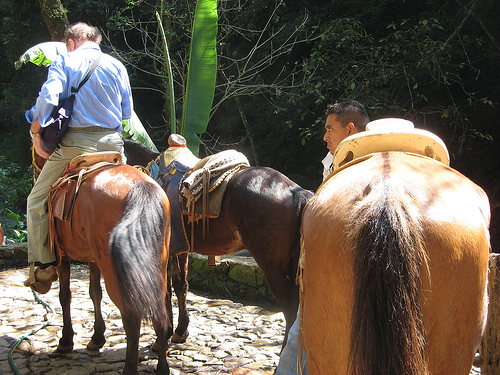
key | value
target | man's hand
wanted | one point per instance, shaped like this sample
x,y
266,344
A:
x,y
36,138
37,143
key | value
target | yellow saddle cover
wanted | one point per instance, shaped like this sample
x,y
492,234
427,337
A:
x,y
390,134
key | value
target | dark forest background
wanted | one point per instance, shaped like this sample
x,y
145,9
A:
x,y
434,62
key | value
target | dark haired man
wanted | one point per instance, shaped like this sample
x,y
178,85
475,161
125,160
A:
x,y
343,119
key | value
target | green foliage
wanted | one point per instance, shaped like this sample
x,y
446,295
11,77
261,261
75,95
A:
x,y
15,185
429,61
169,92
200,81
94,12
17,232
21,26
54,10
410,70
41,54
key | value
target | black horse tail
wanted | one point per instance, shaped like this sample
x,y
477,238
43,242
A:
x,y
387,326
300,198
139,251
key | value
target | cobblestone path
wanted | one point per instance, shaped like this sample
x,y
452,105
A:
x,y
224,335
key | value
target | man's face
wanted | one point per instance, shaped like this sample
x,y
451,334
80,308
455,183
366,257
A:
x,y
335,133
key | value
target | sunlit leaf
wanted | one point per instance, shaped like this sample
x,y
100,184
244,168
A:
x,y
133,128
200,87
42,54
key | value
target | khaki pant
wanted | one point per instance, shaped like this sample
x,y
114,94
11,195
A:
x,y
75,142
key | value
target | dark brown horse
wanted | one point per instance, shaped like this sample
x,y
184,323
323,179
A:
x,y
261,213
120,226
395,258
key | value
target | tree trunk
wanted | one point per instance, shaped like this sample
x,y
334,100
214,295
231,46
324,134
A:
x,y
491,349
247,128
55,17
482,13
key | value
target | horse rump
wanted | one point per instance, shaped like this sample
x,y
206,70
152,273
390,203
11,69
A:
x,y
395,269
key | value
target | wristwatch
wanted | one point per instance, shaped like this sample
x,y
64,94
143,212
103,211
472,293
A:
x,y
33,135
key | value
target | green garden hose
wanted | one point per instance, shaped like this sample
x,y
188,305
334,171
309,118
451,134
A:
x,y
33,331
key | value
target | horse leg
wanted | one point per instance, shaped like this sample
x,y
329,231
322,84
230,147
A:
x,y
287,293
163,332
66,341
282,285
132,327
181,334
168,305
95,291
181,287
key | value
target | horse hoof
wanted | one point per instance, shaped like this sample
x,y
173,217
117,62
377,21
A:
x,y
179,339
93,347
154,346
64,349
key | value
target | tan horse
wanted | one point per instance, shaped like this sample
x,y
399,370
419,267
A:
x,y
395,269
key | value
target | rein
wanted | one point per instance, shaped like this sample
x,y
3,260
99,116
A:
x,y
36,168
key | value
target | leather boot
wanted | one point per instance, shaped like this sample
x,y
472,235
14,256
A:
x,y
46,275
40,280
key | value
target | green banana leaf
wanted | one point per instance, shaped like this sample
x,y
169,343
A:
x,y
45,53
41,54
173,128
134,129
200,87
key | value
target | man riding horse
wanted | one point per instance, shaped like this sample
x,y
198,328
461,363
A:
x,y
96,122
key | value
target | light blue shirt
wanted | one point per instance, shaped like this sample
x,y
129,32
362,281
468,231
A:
x,y
104,100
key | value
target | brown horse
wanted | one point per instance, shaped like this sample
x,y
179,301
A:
x,y
261,213
120,225
395,259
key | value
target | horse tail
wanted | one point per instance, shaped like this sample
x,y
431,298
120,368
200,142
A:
x,y
387,326
300,198
138,246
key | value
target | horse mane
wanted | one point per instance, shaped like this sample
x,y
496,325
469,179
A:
x,y
387,327
137,153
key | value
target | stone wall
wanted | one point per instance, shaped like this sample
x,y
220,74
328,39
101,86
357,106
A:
x,y
13,256
236,277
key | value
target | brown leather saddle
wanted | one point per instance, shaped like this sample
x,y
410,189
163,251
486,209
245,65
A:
x,y
63,193
195,187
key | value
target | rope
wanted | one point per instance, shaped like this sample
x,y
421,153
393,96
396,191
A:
x,y
33,331
36,168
